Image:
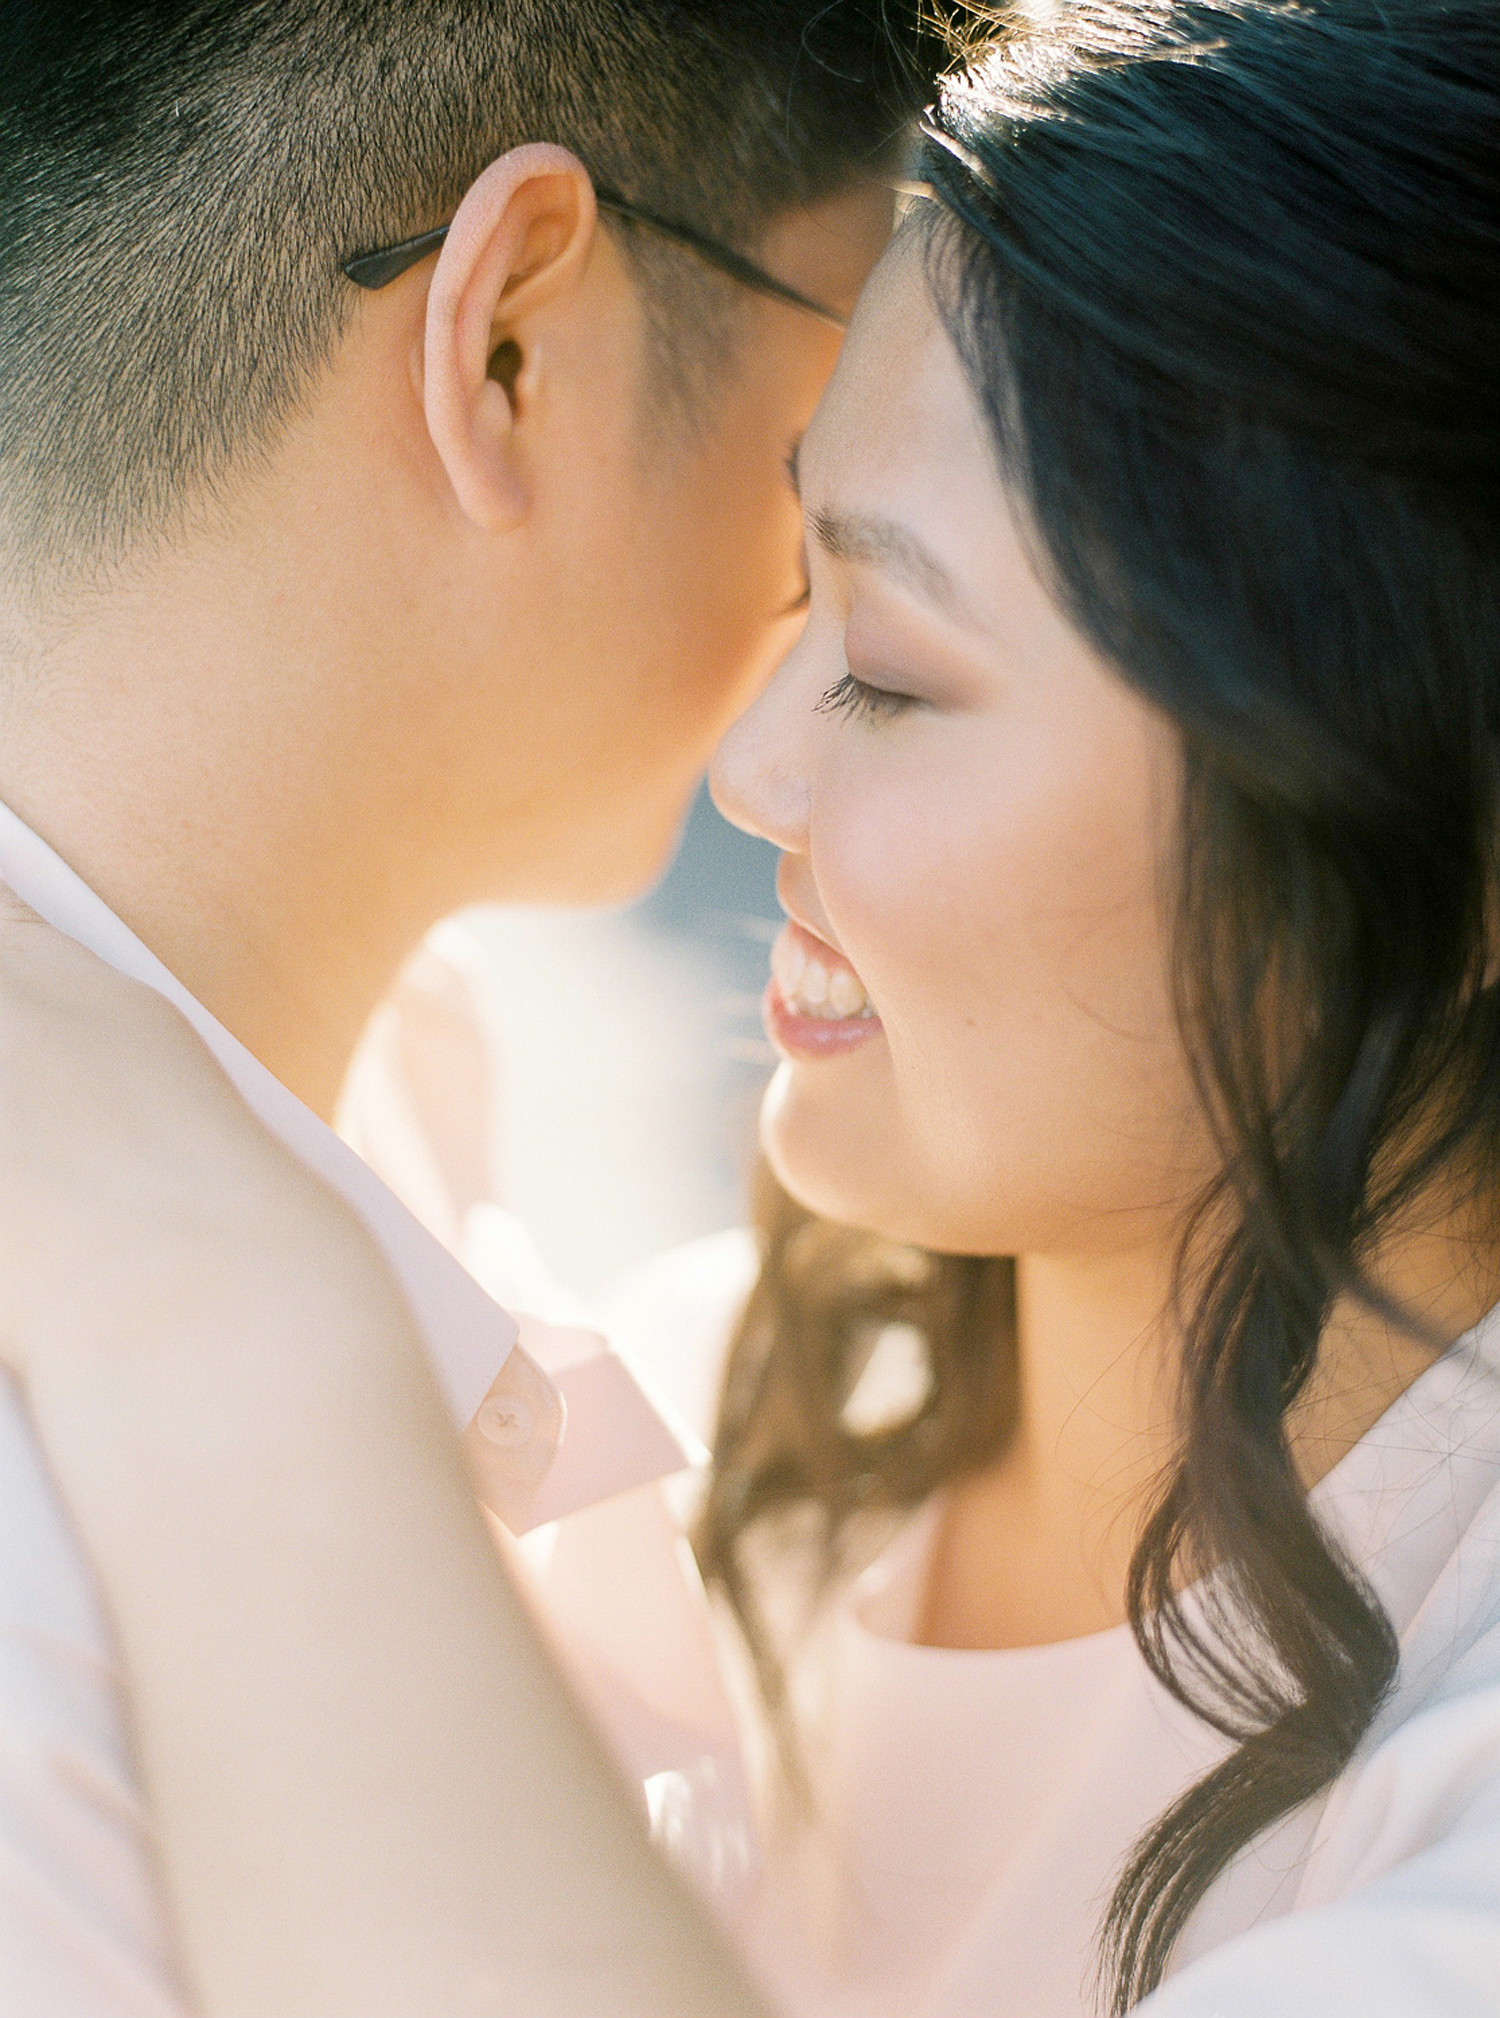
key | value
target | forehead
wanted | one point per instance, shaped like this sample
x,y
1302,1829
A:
x,y
899,436
899,396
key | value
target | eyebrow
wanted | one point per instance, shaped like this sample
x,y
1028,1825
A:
x,y
860,537
879,542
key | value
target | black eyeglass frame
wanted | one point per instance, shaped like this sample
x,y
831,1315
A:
x,y
377,269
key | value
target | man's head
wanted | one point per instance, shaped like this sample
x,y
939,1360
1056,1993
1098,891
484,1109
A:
x,y
517,516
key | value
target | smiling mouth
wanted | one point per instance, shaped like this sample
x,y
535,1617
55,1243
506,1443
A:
x,y
816,981
816,1005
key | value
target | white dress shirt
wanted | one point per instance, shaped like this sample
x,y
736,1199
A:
x,y
551,1419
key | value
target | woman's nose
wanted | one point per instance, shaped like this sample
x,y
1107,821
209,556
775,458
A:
x,y
758,776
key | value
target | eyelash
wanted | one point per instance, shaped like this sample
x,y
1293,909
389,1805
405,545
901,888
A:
x,y
849,696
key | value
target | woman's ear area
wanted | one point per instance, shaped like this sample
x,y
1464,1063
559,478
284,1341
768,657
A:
x,y
521,236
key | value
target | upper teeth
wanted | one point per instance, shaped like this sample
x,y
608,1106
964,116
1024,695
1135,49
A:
x,y
813,989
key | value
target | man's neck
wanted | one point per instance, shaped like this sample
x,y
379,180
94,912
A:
x,y
177,767
294,981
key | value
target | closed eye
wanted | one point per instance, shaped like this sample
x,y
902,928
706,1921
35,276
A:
x,y
850,696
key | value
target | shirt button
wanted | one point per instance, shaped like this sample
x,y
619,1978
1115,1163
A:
x,y
506,1421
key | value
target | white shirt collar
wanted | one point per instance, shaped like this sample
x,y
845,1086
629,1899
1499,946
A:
x,y
514,1415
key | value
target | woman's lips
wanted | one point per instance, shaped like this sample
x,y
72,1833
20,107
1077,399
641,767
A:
x,y
816,1005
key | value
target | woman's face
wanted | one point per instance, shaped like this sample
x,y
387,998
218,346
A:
x,y
971,1000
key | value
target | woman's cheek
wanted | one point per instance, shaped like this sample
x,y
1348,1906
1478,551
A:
x,y
918,887
887,879
961,896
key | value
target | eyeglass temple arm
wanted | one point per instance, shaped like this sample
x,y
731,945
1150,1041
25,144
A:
x,y
377,269
724,257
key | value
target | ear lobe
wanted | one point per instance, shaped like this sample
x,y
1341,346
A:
x,y
521,235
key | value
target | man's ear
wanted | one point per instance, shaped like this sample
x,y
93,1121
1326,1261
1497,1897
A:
x,y
521,235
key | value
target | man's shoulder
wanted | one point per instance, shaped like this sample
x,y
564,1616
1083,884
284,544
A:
x,y
60,1700
81,1922
45,1586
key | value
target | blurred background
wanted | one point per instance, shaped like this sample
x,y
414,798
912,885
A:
x,y
633,1057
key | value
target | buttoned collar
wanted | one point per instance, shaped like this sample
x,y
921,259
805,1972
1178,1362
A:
x,y
551,1419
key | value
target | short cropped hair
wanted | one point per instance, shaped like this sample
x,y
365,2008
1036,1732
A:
x,y
182,179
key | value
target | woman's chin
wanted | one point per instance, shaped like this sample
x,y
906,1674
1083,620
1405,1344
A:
x,y
848,1159
834,1154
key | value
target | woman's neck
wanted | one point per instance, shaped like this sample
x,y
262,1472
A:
x,y
1036,1549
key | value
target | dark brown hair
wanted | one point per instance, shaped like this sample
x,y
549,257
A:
x,y
1223,274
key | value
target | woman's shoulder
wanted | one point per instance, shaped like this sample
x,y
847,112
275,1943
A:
x,y
1394,1911
1415,1505
1428,1772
